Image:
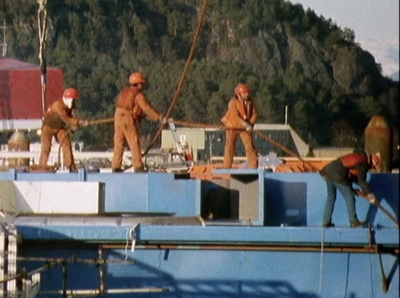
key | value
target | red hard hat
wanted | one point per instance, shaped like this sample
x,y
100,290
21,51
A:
x,y
242,89
136,78
71,93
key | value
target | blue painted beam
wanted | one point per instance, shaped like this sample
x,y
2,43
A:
x,y
74,233
291,236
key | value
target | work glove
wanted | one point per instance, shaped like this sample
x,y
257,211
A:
x,y
372,199
358,192
247,126
165,120
83,122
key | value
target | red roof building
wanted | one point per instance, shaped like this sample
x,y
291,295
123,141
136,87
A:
x,y
21,93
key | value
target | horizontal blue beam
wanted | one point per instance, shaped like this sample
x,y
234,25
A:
x,y
291,236
74,233
268,235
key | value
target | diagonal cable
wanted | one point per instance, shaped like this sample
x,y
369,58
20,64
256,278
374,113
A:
x,y
184,73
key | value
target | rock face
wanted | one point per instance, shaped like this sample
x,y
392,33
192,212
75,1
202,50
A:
x,y
346,67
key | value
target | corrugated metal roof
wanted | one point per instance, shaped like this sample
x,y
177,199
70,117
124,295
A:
x,y
21,93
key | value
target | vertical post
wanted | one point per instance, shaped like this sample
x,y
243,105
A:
x,y
12,261
4,44
65,278
42,30
3,257
102,274
286,115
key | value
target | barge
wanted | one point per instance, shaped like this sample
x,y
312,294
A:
x,y
254,233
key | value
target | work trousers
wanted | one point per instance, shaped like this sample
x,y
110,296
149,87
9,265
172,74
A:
x,y
63,138
247,139
126,129
348,195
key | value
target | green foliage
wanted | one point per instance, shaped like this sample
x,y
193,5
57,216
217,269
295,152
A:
x,y
99,43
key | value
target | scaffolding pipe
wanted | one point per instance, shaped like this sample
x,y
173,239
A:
x,y
75,260
96,292
65,279
48,266
102,274
343,249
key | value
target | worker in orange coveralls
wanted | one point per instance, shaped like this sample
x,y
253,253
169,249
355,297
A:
x,y
58,119
131,103
241,114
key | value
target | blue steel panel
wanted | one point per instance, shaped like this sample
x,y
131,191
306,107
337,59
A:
x,y
179,196
289,236
286,203
80,275
231,274
300,185
386,187
124,192
184,234
75,232
13,175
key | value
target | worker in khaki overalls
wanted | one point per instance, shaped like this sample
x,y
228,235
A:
x,y
131,103
241,114
58,119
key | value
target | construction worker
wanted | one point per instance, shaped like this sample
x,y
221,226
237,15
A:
x,y
241,114
341,174
58,120
131,104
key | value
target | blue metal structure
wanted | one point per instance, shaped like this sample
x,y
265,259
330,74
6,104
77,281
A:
x,y
264,238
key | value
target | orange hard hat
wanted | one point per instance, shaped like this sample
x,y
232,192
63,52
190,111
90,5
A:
x,y
136,78
71,93
242,89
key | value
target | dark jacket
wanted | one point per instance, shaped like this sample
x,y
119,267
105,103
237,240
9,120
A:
x,y
347,169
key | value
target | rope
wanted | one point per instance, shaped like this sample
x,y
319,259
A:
x,y
257,132
321,261
91,122
184,73
378,204
100,121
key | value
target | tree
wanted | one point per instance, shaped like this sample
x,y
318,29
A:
x,y
342,133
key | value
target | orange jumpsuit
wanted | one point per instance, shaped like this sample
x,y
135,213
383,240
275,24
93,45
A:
x,y
57,119
239,112
130,106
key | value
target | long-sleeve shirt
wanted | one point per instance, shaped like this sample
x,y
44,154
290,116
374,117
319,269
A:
x,y
347,169
239,112
136,102
59,116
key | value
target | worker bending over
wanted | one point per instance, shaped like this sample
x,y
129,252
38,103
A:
x,y
58,120
341,174
131,104
240,117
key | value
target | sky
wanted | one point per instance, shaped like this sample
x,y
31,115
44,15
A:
x,y
374,22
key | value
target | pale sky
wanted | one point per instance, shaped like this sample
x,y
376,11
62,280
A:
x,y
374,22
